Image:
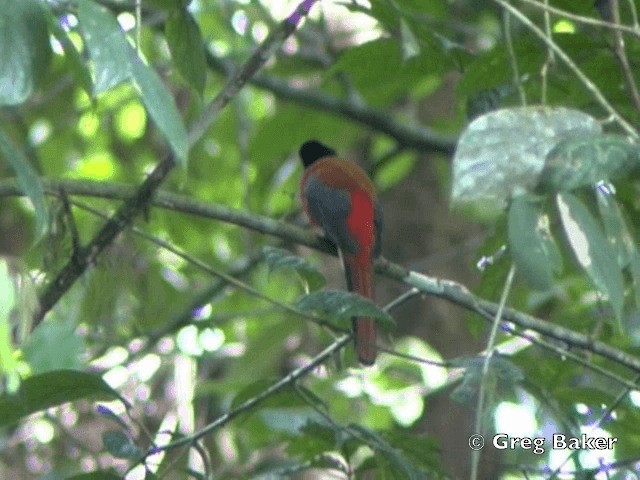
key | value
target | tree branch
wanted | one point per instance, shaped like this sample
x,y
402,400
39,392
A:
x,y
448,290
123,217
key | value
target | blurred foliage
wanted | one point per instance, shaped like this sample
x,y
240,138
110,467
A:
x,y
169,346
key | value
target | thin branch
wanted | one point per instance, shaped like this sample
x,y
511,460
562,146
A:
x,y
513,60
588,84
621,54
262,396
407,135
580,19
123,217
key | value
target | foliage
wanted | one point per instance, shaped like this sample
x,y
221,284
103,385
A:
x,y
199,325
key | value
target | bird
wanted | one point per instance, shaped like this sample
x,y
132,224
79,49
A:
x,y
338,196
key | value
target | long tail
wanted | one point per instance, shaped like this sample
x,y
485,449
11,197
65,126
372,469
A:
x,y
359,272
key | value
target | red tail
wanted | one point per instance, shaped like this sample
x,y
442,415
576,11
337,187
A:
x,y
359,272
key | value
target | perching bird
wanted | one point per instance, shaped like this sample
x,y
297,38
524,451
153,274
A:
x,y
338,196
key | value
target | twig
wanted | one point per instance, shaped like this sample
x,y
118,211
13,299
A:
x,y
513,60
143,195
621,54
475,454
252,402
588,84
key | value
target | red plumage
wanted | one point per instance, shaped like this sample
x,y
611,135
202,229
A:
x,y
338,196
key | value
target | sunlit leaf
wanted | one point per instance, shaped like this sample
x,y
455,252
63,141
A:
x,y
532,246
616,228
502,153
591,249
110,52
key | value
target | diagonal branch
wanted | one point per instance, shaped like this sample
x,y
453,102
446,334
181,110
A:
x,y
123,217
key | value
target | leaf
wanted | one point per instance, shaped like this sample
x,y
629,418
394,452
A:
x,y
634,267
343,305
279,259
51,389
115,62
587,159
187,50
108,47
502,153
591,249
532,247
53,346
120,445
410,45
26,52
29,182
162,109
616,228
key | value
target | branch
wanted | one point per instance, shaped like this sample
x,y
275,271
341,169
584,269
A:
x,y
252,402
418,137
123,217
448,290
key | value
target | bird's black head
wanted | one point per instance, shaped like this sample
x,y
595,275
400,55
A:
x,y
313,150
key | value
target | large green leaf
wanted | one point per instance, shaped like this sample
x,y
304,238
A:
x,y
25,51
187,50
533,249
115,61
51,389
53,346
591,249
587,159
108,47
162,109
28,180
502,153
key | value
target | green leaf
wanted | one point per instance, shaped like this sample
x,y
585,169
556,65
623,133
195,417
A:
x,y
26,53
187,50
53,346
502,153
615,227
110,52
343,305
28,180
532,246
410,45
587,159
120,445
162,109
279,259
51,389
591,249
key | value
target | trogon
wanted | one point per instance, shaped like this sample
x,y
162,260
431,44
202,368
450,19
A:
x,y
338,196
